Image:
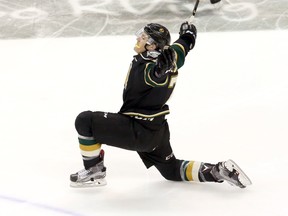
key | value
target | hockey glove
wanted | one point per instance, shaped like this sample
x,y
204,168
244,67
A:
x,y
188,32
166,62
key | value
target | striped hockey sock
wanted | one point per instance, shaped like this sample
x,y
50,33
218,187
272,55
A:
x,y
90,150
197,171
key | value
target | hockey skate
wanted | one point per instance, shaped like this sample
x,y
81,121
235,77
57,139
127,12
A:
x,y
92,177
229,171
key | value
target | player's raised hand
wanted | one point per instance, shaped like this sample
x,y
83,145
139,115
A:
x,y
188,28
189,31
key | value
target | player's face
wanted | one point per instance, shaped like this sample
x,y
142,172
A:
x,y
142,39
144,42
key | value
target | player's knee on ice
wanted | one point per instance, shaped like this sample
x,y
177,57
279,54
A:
x,y
171,170
83,123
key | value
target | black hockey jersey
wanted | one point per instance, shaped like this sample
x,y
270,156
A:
x,y
144,94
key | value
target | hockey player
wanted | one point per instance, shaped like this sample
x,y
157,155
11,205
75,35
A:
x,y
140,125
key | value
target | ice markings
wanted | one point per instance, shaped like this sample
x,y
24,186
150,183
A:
x,y
16,206
282,21
29,13
239,12
143,9
80,6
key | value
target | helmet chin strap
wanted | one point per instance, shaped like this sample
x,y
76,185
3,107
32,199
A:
x,y
149,45
146,46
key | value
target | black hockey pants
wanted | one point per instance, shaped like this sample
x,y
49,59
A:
x,y
149,138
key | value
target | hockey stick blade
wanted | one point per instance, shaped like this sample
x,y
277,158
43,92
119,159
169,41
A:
x,y
214,1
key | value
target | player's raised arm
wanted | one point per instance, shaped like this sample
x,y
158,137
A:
x,y
166,62
185,42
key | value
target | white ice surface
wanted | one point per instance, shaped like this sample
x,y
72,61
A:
x,y
231,101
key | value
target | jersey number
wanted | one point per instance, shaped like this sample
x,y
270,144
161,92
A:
x,y
173,80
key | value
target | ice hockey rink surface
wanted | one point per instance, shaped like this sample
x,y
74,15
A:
x,y
59,58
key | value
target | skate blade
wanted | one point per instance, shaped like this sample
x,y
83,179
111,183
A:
x,y
243,178
95,183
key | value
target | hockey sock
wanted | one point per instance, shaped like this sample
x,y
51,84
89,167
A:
x,y
90,150
197,171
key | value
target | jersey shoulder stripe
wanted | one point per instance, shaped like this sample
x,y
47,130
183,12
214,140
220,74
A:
x,y
148,77
180,54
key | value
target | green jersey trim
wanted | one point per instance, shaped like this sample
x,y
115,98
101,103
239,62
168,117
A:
x,y
149,81
180,54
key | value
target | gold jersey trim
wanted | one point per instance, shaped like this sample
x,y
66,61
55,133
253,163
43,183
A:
x,y
147,116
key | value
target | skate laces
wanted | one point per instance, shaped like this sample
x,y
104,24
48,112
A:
x,y
83,172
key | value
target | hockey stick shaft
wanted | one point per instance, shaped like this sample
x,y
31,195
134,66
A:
x,y
194,11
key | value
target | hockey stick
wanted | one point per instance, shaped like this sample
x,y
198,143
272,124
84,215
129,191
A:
x,y
193,12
